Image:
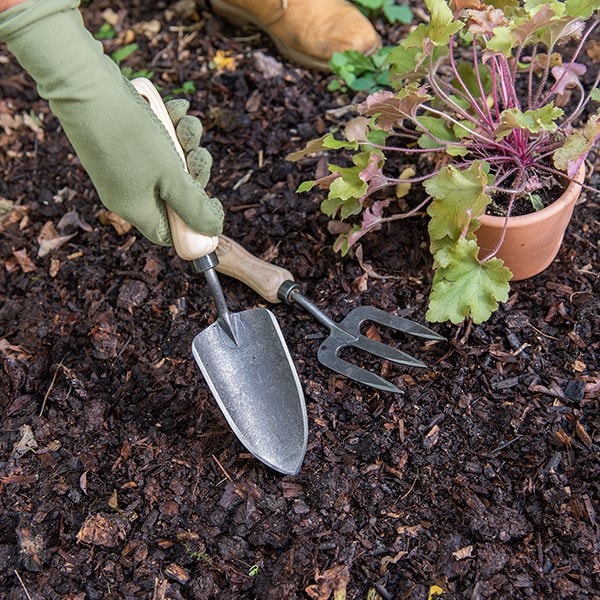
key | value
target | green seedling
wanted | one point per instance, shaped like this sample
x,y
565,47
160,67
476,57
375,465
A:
x,y
106,32
187,87
358,72
391,10
123,53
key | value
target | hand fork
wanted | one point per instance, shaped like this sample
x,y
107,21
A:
x,y
276,284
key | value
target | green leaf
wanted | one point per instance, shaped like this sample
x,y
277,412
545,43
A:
x,y
533,120
459,199
582,9
334,144
364,83
536,201
369,4
349,186
468,75
464,287
595,94
533,6
403,61
130,73
464,129
415,38
106,32
442,24
325,142
306,186
330,206
502,41
437,127
397,13
123,53
577,146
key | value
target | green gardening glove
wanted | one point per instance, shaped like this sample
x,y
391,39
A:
x,y
123,146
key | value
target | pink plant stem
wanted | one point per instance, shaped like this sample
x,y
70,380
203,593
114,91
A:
x,y
575,54
407,214
487,141
439,92
480,85
402,149
514,195
502,235
458,78
530,77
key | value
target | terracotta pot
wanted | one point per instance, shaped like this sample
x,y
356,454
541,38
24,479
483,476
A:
x,y
532,241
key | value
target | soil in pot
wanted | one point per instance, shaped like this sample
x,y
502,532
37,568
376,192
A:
x,y
531,241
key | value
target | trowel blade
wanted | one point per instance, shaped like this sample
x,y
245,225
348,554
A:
x,y
255,383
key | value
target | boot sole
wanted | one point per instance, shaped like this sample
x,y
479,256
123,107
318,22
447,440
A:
x,y
239,16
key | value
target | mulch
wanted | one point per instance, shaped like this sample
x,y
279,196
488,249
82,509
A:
x,y
119,477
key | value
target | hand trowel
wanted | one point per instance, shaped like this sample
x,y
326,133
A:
x,y
243,356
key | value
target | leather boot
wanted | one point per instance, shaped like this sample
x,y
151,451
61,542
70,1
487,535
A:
x,y
307,32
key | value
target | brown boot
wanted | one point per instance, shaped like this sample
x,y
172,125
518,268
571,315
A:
x,y
307,32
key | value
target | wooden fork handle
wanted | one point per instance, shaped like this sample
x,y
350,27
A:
x,y
263,277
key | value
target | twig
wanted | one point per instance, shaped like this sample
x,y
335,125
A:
x,y
121,351
22,585
541,332
222,468
412,487
506,444
60,365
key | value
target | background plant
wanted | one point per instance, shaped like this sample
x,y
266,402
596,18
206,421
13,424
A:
x,y
489,91
354,70
390,9
360,73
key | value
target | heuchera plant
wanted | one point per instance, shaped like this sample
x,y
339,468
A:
x,y
487,86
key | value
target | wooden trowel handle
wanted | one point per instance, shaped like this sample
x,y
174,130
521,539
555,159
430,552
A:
x,y
189,244
263,277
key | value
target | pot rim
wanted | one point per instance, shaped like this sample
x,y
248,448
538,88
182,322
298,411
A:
x,y
556,206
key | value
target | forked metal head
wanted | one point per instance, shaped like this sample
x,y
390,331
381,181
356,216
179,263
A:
x,y
347,334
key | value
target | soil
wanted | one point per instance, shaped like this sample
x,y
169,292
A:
x,y
119,477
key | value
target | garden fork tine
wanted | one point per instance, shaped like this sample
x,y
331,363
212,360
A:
x,y
276,284
347,334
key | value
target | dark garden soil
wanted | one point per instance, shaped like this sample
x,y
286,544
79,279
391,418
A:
x,y
119,477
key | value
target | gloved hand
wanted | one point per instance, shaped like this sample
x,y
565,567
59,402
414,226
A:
x,y
121,143
189,131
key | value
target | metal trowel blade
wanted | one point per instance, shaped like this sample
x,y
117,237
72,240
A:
x,y
255,383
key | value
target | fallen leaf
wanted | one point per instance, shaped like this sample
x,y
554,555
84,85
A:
x,y
102,530
462,553
6,206
110,16
6,347
72,218
50,240
23,261
120,225
434,590
30,547
410,530
26,444
223,61
148,28
268,66
113,501
432,437
583,435
334,580
402,189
